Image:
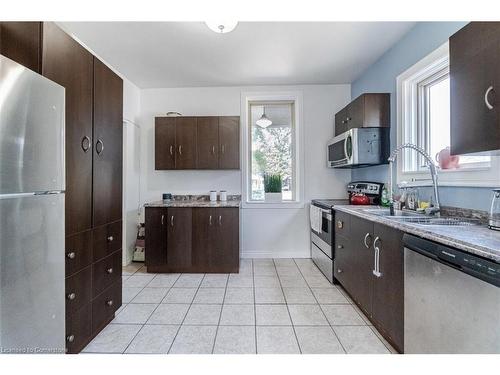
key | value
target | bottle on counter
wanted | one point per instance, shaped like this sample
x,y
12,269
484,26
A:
x,y
385,200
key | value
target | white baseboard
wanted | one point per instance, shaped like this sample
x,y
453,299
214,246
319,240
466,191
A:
x,y
274,254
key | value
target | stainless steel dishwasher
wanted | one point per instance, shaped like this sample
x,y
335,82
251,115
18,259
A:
x,y
452,300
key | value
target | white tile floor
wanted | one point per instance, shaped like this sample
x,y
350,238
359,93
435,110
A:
x,y
271,306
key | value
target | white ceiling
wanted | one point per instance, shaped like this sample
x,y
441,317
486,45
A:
x,y
188,54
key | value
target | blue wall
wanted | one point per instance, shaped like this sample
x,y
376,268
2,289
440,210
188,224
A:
x,y
421,40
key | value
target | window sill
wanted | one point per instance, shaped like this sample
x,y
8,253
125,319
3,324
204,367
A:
x,y
471,184
268,205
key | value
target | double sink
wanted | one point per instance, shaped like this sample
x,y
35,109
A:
x,y
416,218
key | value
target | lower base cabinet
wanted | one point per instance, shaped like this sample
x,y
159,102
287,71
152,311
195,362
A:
x,y
376,287
183,239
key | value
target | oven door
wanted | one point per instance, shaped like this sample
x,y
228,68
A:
x,y
326,235
339,150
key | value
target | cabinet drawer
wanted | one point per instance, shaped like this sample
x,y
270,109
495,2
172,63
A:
x,y
78,252
106,272
78,290
107,239
342,223
104,306
78,329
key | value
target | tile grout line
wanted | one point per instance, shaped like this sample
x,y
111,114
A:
x,y
254,307
220,314
287,308
189,308
312,292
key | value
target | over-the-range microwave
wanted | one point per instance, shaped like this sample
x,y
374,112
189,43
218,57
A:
x,y
359,147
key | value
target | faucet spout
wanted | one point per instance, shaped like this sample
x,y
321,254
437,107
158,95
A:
x,y
432,168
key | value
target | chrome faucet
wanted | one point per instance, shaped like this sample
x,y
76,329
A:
x,y
432,167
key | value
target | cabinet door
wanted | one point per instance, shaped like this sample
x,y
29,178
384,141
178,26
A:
x,y
156,236
225,254
229,142
340,122
343,268
164,143
388,288
179,242
362,260
21,42
70,65
208,143
474,81
355,113
204,236
108,145
185,140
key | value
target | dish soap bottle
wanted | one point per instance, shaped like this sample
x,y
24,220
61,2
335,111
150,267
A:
x,y
385,199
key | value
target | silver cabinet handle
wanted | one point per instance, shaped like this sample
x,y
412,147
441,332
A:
x,y
220,219
71,296
70,338
365,241
339,270
71,255
162,219
98,149
340,224
223,148
109,303
486,101
210,220
172,220
85,144
376,266
340,246
110,239
171,150
180,149
109,270
213,150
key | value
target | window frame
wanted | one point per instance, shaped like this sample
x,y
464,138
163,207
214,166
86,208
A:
x,y
411,108
252,98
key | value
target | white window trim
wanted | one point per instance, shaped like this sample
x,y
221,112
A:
x,y
407,118
246,99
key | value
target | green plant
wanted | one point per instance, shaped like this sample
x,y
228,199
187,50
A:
x,y
272,183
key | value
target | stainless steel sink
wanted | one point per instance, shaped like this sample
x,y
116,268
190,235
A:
x,y
386,212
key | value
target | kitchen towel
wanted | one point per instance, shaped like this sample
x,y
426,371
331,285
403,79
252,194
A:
x,y
315,216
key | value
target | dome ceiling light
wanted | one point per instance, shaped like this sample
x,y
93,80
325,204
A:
x,y
222,27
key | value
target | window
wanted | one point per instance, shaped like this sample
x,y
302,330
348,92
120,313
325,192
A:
x,y
272,148
424,120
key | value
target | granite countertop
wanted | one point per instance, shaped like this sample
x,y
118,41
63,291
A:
x,y
474,239
196,201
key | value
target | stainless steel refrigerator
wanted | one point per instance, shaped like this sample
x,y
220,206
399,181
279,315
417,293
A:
x,y
32,182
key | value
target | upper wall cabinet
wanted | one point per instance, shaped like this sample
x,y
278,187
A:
x,y
197,142
21,42
366,111
475,88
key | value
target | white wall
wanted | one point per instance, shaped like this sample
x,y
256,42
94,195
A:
x,y
131,167
264,232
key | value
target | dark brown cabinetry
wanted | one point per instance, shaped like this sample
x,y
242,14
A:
x,y
475,88
192,239
377,288
70,65
366,111
93,95
197,143
21,42
108,145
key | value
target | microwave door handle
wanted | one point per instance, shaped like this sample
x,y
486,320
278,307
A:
x,y
345,148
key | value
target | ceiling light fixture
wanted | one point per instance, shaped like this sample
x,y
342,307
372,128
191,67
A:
x,y
222,27
264,121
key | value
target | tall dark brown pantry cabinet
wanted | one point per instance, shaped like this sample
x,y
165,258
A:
x,y
94,110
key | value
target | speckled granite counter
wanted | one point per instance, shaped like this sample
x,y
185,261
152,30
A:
x,y
196,201
474,239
